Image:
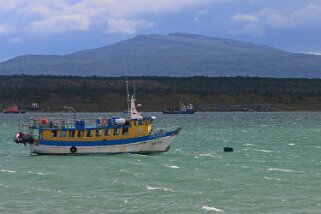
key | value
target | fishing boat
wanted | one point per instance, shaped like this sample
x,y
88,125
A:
x,y
13,110
103,135
189,109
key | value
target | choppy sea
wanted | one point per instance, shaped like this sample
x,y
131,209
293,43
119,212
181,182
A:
x,y
275,168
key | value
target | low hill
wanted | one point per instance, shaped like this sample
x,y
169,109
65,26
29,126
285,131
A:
x,y
157,93
172,55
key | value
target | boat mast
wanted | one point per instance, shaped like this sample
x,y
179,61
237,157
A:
x,y
134,89
128,100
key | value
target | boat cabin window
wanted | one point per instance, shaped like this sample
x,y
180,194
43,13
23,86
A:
x,y
107,132
72,133
99,132
116,131
147,121
90,133
138,122
125,131
54,133
80,133
63,133
41,134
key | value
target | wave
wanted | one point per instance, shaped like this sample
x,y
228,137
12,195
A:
x,y
38,173
173,166
283,170
7,171
269,178
263,150
159,188
212,209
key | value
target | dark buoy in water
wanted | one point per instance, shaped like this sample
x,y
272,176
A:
x,y
228,149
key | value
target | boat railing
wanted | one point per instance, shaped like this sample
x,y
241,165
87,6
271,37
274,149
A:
x,y
61,123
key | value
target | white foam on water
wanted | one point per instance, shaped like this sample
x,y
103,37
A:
x,y
263,125
38,173
269,178
248,144
8,171
291,144
266,151
207,154
212,209
173,166
159,188
318,147
283,170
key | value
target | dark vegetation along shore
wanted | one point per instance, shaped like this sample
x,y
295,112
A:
x,y
156,93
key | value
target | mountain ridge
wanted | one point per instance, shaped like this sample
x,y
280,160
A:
x,y
176,54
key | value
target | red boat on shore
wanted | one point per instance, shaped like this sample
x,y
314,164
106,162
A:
x,y
13,110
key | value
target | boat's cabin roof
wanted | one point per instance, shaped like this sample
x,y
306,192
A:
x,y
62,123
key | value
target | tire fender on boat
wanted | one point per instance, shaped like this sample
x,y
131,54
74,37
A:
x,y
73,149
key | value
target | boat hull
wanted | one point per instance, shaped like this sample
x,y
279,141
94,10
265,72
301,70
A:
x,y
145,146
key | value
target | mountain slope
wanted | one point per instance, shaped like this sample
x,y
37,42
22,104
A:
x,y
172,55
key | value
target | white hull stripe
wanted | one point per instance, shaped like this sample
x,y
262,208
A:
x,y
155,145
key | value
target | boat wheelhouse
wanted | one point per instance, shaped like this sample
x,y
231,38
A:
x,y
97,136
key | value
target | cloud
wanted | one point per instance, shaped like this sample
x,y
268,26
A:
x,y
60,23
253,29
199,14
126,26
4,29
269,18
15,40
245,18
120,16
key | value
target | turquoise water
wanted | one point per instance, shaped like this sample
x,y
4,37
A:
x,y
275,168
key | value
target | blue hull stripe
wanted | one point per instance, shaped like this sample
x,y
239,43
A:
x,y
107,142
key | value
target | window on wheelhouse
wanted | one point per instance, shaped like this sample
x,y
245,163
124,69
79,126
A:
x,y
72,133
80,133
116,131
125,131
90,133
54,133
41,134
107,132
99,132
138,122
63,133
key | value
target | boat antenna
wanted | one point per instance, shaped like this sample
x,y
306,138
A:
x,y
134,89
127,90
71,111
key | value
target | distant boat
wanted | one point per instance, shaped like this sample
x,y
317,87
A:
x,y
13,110
189,109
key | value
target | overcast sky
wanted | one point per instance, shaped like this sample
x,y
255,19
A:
x,y
65,26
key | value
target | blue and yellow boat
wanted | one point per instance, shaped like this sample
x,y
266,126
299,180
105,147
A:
x,y
114,135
